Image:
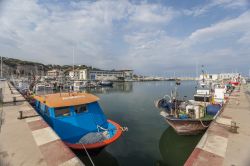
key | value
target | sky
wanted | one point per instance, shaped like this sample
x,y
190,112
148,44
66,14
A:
x,y
160,37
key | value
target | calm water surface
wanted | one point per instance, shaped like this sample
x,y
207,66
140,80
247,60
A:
x,y
149,140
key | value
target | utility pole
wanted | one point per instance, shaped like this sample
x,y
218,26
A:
x,y
1,67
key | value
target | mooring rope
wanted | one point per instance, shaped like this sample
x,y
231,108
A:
x,y
124,129
203,124
88,155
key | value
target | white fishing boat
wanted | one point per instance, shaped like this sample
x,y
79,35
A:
x,y
188,117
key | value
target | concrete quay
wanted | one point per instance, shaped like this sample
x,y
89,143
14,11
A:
x,y
29,141
219,145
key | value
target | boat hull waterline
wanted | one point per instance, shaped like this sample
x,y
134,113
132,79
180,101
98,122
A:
x,y
188,126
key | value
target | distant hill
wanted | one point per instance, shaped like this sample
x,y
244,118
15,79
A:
x,y
16,62
12,66
18,67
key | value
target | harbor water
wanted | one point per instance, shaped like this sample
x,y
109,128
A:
x,y
149,140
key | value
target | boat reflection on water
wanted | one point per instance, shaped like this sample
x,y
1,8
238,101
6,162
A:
x,y
99,158
175,149
117,87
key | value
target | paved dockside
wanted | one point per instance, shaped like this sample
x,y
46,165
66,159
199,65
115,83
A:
x,y
219,145
29,141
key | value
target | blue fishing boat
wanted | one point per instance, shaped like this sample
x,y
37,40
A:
x,y
78,119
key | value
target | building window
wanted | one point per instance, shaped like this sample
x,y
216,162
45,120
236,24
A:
x,y
63,111
81,109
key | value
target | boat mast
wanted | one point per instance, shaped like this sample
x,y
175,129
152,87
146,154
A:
x,y
1,66
202,70
197,77
73,62
249,74
177,83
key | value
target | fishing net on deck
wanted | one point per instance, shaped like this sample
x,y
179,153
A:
x,y
94,137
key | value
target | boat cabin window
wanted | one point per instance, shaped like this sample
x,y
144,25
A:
x,y
42,107
63,111
46,111
81,109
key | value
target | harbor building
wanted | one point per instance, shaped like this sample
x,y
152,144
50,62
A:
x,y
128,75
53,73
113,75
83,74
79,74
227,76
211,77
221,76
73,74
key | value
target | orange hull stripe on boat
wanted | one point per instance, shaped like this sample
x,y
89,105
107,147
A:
x,y
99,144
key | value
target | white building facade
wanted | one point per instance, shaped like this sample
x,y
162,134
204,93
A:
x,y
209,77
228,76
83,74
221,76
73,74
79,74
112,75
53,73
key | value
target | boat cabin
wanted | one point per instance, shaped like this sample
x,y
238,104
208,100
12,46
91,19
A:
x,y
72,115
203,95
219,95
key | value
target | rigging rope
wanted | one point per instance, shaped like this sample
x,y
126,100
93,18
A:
x,y
100,127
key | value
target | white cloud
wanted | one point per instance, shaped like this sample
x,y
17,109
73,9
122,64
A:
x,y
115,34
50,30
245,39
152,13
231,3
225,4
240,25
214,46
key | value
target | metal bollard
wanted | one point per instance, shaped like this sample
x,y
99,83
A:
x,y
234,127
14,100
20,115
